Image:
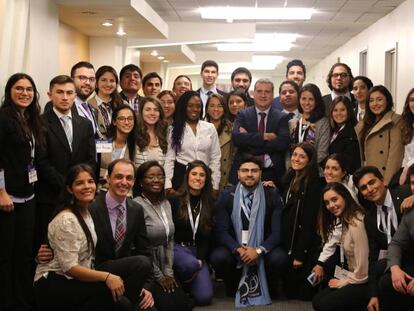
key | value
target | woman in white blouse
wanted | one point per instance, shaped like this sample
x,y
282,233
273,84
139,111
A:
x,y
347,290
152,132
190,139
68,281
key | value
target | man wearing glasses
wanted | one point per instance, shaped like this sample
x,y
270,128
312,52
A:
x,y
340,83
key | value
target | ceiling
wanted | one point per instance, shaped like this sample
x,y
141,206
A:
x,y
187,39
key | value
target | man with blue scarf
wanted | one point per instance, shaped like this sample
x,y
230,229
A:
x,y
247,230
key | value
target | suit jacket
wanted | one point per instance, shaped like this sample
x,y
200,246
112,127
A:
x,y
135,242
224,231
276,103
252,142
382,146
327,99
378,240
58,158
346,143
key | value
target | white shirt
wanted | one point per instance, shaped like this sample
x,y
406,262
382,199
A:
x,y
392,216
204,146
347,94
408,154
86,114
296,113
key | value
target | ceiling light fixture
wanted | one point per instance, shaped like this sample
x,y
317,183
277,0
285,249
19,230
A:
x,y
248,13
154,53
121,32
160,57
165,61
262,42
107,23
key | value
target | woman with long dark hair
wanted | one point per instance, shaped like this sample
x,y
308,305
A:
x,y
360,88
68,281
343,136
106,98
182,84
216,113
123,133
22,136
167,100
313,127
380,134
299,237
152,132
168,294
348,292
193,210
189,139
236,101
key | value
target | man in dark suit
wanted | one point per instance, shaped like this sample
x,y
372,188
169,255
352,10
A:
x,y
231,250
262,131
123,247
209,73
397,285
381,221
241,79
340,83
69,141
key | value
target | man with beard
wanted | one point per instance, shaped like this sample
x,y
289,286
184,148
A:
x,y
247,232
340,83
241,78
130,80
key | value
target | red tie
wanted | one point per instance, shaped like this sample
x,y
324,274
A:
x,y
262,130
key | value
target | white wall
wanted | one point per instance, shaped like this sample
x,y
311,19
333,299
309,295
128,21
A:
x,y
379,38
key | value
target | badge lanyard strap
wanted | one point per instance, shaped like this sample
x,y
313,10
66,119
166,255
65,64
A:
x,y
122,154
301,134
163,216
194,225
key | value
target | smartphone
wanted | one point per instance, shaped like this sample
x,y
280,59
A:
x,y
311,278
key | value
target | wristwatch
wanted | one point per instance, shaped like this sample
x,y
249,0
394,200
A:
x,y
259,251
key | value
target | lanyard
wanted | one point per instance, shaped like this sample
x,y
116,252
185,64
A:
x,y
163,216
194,225
302,132
32,148
342,256
121,155
386,224
336,133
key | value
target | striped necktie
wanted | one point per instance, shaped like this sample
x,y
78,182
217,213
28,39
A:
x,y
120,228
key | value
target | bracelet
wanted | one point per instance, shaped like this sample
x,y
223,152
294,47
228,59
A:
x,y
109,273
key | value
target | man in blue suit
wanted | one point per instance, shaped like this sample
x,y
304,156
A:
x,y
262,131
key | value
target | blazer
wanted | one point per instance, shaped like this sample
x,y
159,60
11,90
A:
x,y
58,158
252,142
227,154
224,231
327,99
346,143
383,147
135,242
377,240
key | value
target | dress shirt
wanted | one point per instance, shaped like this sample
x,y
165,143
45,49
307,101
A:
x,y
408,154
86,114
60,115
296,113
347,94
204,146
112,204
267,160
393,219
204,96
360,113
133,103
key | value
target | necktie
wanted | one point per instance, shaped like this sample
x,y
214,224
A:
x,y
291,115
120,228
385,210
249,203
262,130
209,93
68,129
88,112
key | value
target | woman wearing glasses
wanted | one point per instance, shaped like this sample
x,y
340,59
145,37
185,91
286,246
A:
x,y
123,132
168,294
22,135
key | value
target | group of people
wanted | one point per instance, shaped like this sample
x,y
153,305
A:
x,y
121,201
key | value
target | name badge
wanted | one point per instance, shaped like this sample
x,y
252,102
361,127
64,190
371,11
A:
x,y
383,254
341,273
245,237
103,146
32,173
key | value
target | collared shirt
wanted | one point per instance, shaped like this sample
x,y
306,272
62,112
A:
x,y
267,160
391,210
204,96
133,103
112,204
408,154
60,115
360,113
296,113
86,114
347,94
204,146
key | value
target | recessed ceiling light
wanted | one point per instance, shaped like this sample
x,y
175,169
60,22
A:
x,y
160,57
165,61
107,23
89,12
121,32
229,13
154,53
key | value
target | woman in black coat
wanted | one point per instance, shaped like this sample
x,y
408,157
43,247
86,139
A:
x,y
300,240
343,136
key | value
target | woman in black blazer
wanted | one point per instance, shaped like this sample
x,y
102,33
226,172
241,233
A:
x,y
302,197
343,136
21,137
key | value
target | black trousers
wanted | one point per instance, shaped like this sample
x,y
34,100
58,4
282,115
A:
x,y
390,299
58,293
176,301
134,271
350,297
16,256
224,263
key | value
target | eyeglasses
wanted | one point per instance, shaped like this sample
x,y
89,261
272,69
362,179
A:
x,y
154,178
85,78
341,75
246,170
21,89
124,119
